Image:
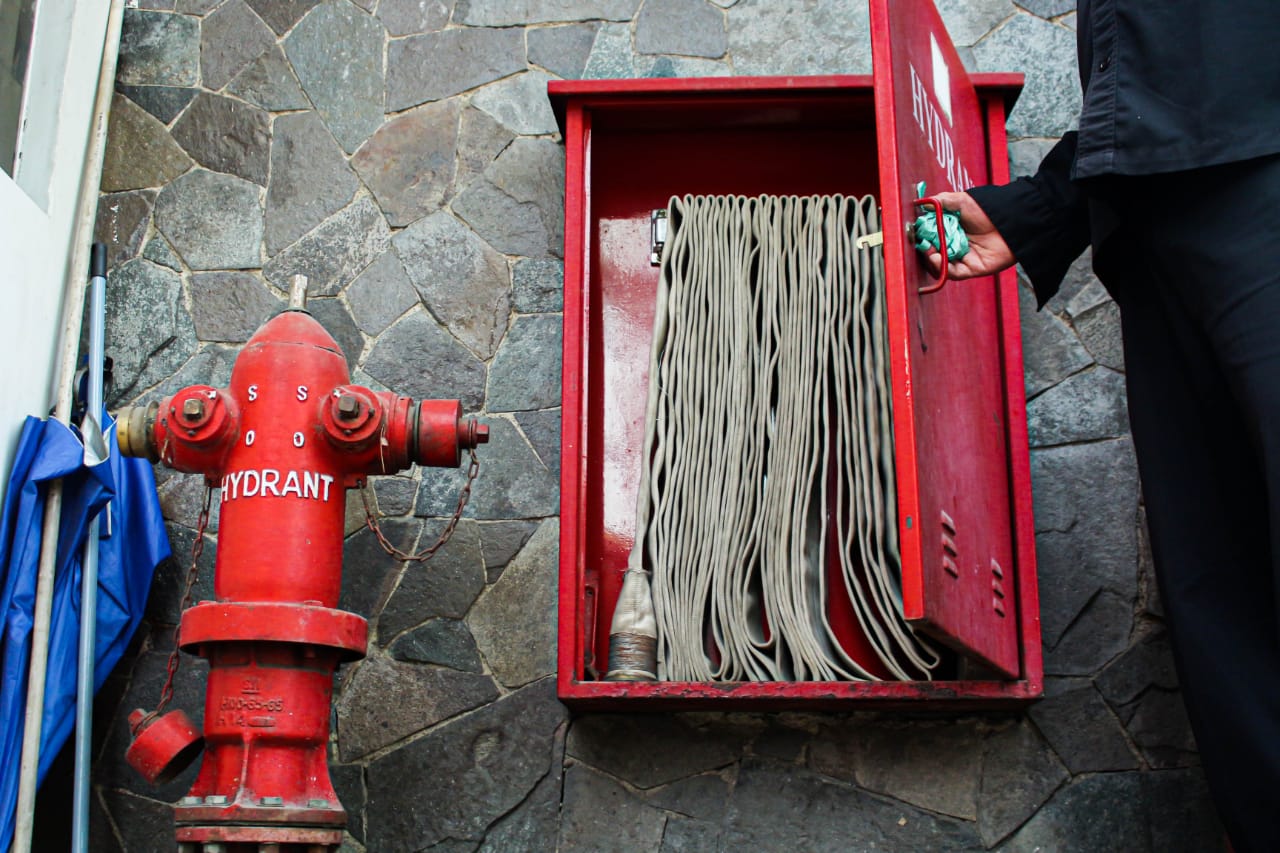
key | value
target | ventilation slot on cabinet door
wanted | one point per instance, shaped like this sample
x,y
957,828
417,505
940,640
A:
x,y
949,546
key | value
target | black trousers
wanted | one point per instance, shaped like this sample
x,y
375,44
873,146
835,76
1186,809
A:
x,y
1195,269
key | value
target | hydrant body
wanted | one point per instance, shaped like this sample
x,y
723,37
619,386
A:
x,y
284,442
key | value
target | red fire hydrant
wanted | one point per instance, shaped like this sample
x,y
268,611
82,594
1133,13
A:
x,y
284,442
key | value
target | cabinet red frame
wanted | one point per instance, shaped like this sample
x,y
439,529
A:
x,y
587,106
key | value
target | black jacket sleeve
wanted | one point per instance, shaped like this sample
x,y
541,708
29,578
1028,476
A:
x,y
1044,218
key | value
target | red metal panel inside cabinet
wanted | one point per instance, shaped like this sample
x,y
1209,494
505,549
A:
x,y
630,145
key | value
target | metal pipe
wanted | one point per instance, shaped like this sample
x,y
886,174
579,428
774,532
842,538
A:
x,y
89,574
72,308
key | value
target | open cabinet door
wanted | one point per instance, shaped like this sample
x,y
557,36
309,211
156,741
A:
x,y
950,430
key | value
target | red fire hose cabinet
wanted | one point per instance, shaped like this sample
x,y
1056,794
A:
x,y
963,508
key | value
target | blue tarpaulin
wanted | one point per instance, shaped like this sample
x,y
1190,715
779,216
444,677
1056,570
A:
x,y
132,543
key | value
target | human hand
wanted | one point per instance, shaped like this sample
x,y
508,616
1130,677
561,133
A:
x,y
988,252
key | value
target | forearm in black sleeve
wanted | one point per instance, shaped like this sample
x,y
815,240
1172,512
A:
x,y
1043,218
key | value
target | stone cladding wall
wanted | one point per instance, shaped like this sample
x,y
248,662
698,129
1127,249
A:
x,y
402,153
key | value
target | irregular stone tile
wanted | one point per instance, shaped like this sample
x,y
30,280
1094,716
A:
x,y
519,103
1104,813
1050,352
1084,407
704,797
1083,494
599,814
1050,102
444,586
681,27
967,21
348,784
542,429
335,252
226,135
198,7
532,826
121,223
519,206
310,179
463,282
281,15
100,828
480,140
525,373
164,602
394,495
537,286
611,56
1158,723
647,751
436,65
681,66
368,571
1097,636
142,822
505,13
512,482
417,358
562,50
447,642
337,54
514,621
268,82
214,221
467,773
386,701
140,152
210,366
160,5
159,251
230,39
158,49
408,164
1083,732
230,306
149,671
182,500
789,38
163,102
686,835
1180,811
1048,8
781,742
336,319
1019,772
148,331
1099,330
412,17
381,294
935,767
1025,155
1148,663
775,806
500,541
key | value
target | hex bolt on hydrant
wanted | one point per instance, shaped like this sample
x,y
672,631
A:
x,y
284,442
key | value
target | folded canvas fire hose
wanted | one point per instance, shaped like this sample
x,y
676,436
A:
x,y
768,453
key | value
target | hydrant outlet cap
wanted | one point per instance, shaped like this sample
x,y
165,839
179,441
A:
x,y
164,747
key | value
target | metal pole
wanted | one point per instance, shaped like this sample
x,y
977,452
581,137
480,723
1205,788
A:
x,y
72,308
89,575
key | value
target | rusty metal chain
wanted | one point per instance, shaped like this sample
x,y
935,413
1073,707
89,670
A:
x,y
371,521
197,549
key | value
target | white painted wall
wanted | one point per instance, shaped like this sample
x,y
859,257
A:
x,y
38,208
